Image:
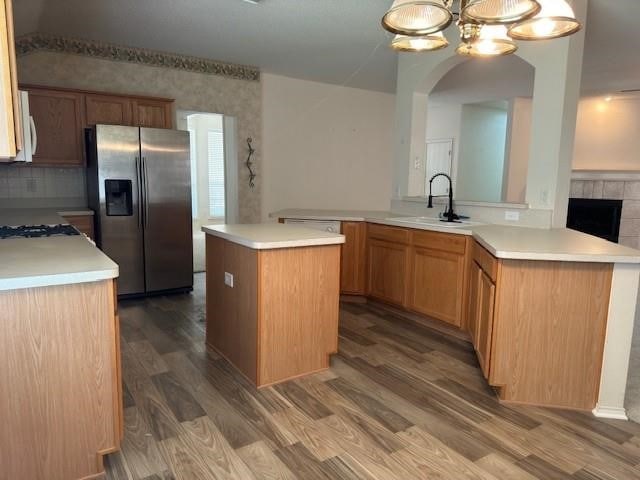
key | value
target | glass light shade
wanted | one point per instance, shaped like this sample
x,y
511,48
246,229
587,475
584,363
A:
x,y
410,17
500,11
422,43
492,41
556,19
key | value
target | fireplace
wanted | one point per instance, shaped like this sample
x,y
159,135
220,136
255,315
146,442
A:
x,y
595,217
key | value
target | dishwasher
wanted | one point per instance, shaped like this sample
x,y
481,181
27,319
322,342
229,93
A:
x,y
332,226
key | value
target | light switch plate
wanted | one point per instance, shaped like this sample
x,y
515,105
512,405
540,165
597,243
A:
x,y
228,279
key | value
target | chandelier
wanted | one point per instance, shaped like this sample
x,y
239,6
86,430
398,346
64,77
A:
x,y
488,28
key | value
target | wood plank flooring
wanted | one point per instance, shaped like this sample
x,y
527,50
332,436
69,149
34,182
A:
x,y
401,401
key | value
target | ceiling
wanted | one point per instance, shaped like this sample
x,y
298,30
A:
x,y
333,41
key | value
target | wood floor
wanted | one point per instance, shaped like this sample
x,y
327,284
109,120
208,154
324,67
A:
x,y
401,401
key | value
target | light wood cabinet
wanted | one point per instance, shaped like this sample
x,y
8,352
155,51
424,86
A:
x,y
10,117
538,328
84,223
353,270
387,271
58,116
436,284
108,110
61,381
486,296
152,113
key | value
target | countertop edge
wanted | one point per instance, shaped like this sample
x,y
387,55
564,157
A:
x,y
276,244
554,257
36,281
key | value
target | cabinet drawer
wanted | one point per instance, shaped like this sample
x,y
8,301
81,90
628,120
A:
x,y
391,234
487,262
447,242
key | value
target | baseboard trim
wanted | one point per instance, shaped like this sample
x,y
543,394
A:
x,y
614,413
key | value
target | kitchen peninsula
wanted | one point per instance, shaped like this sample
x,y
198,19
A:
x,y
272,299
550,312
60,381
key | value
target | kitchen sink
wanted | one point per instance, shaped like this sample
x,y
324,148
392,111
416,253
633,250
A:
x,y
434,222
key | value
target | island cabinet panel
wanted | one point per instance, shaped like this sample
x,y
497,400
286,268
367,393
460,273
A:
x,y
436,284
298,311
232,312
387,271
279,318
353,272
60,381
548,332
59,120
108,110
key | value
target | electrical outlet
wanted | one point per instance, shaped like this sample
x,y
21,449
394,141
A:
x,y
417,163
228,279
512,216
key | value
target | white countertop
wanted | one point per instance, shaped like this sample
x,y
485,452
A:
x,y
268,236
560,244
47,261
503,241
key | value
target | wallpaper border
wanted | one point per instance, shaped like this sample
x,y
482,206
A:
x,y
37,42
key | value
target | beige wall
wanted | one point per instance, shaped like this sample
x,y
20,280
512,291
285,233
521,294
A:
x,y
325,146
518,146
191,91
608,134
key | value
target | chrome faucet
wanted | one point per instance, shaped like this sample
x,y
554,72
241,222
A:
x,y
449,213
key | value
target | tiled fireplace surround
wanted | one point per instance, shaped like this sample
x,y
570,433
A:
x,y
610,189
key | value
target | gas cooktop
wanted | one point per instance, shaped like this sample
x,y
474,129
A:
x,y
34,231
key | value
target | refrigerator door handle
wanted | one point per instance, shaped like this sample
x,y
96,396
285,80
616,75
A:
x,y
146,191
140,198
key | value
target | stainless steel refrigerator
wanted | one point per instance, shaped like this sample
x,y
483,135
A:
x,y
139,185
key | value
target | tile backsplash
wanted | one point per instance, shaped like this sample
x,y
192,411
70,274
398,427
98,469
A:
x,y
19,182
628,191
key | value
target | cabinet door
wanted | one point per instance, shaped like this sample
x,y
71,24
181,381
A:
x,y
152,113
108,110
436,285
474,290
353,261
387,271
59,124
10,126
486,301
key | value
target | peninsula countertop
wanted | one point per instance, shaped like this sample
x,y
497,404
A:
x,y
47,261
268,236
503,241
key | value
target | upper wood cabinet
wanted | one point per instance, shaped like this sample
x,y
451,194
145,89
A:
x,y
152,113
58,116
10,118
108,110
353,262
61,115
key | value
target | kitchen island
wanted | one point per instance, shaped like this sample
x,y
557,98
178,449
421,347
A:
x,y
550,312
272,299
60,381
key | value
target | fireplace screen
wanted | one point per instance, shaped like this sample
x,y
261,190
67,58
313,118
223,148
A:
x,y
595,217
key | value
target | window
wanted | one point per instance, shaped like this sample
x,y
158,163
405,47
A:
x,y
194,172
215,161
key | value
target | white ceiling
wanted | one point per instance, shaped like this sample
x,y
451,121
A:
x,y
333,41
